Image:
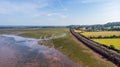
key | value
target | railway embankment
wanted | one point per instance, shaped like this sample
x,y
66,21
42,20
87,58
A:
x,y
107,53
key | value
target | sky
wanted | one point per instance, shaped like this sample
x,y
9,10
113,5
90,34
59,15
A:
x,y
58,12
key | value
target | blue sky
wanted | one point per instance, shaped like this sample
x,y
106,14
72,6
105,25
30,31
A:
x,y
58,12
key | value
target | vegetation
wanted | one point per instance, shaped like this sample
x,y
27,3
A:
x,y
43,32
108,42
34,33
102,34
112,26
66,45
77,53
107,38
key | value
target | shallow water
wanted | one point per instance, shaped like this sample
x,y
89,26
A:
x,y
16,51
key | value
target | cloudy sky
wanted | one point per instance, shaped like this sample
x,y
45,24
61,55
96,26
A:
x,y
58,12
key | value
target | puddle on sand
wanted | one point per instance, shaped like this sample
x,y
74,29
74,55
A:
x,y
16,51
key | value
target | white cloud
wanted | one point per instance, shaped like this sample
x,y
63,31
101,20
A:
x,y
61,4
94,1
3,11
33,8
111,11
56,15
23,7
36,15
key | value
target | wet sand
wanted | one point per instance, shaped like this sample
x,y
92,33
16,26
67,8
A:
x,y
18,51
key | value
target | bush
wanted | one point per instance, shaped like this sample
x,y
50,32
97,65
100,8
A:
x,y
112,47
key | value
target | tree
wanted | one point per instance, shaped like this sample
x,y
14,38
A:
x,y
112,47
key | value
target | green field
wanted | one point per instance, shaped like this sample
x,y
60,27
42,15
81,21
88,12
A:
x,y
66,45
34,33
106,41
115,42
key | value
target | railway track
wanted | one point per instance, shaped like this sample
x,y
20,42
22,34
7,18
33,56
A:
x,y
107,53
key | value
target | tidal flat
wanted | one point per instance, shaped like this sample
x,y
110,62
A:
x,y
17,51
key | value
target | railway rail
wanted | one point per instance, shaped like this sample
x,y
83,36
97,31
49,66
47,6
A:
x,y
107,53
